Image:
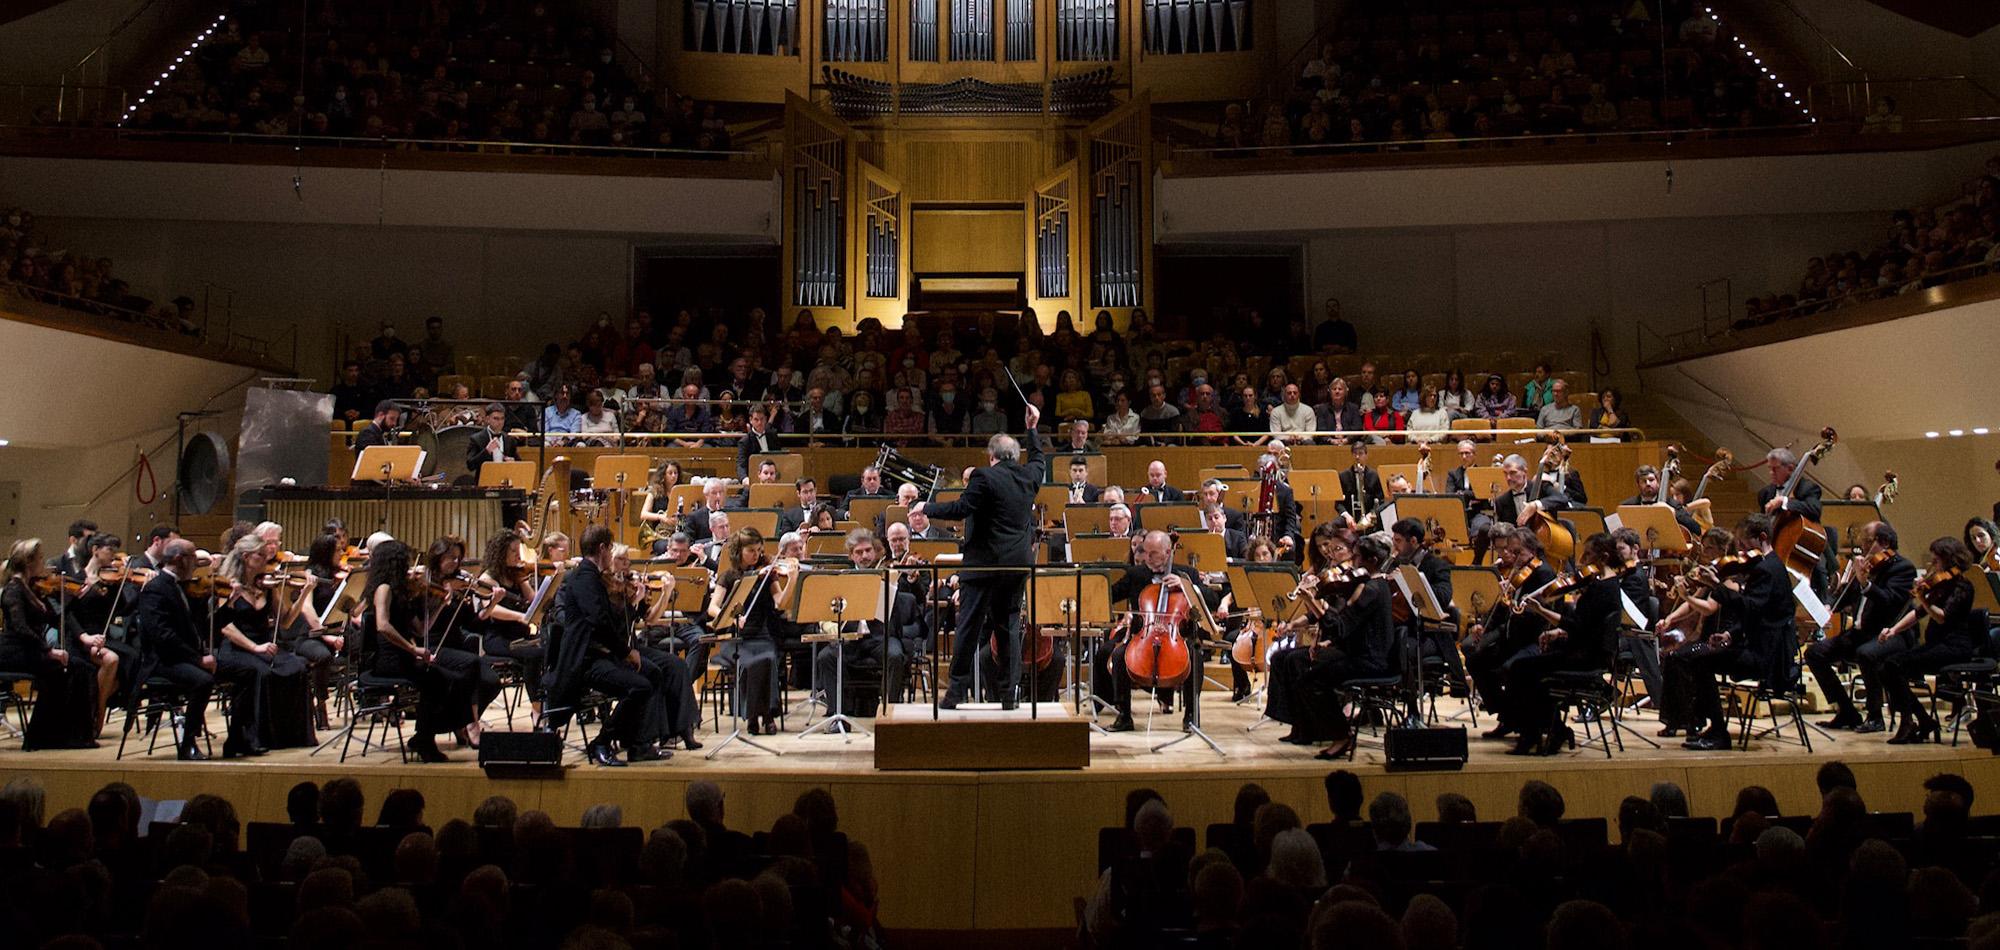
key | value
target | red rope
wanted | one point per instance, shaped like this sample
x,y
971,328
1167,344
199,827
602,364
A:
x,y
145,472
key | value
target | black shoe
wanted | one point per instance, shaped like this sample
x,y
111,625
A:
x,y
1011,701
191,753
1500,731
1557,740
237,750
688,741
770,726
1871,726
949,702
603,757
1915,730
1528,744
647,754
1294,738
1845,719
1122,724
1668,732
1709,742
1238,695
1187,725
427,751
1342,749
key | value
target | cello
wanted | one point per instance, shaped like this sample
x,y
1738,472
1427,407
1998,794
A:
x,y
1798,540
1156,657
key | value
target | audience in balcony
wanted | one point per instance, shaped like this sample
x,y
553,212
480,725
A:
x,y
1924,247
33,267
1394,72
486,75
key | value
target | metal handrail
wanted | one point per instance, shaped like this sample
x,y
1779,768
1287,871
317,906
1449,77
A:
x,y
468,147
77,67
726,440
1823,38
86,305
1951,275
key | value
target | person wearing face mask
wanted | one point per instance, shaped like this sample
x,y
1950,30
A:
x,y
628,115
988,419
864,418
385,343
948,416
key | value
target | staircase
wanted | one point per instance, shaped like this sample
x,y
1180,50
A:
x,y
1730,498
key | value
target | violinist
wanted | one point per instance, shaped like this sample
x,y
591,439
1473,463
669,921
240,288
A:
x,y
1700,612
1155,563
502,594
1329,551
592,648
271,709
752,650
672,713
323,565
915,583
70,563
1881,580
65,685
1943,599
880,647
398,642
1358,639
1586,640
1410,545
169,646
1982,538
1755,636
688,631
107,593
154,557
1513,628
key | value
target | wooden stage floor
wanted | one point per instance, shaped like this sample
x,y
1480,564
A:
x,y
998,851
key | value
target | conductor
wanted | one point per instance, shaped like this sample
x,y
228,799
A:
x,y
998,510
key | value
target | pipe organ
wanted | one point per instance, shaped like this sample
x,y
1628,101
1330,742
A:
x,y
972,30
817,183
766,27
857,31
1020,30
1052,217
885,238
1118,172
1197,26
1087,30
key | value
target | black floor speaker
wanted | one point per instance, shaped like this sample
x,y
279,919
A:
x,y
518,754
1425,750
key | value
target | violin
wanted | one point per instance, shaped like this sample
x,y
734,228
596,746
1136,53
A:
x,y
1933,582
1155,655
49,585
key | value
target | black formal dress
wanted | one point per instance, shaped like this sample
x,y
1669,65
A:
x,y
511,639
1589,642
1439,640
275,697
93,613
1954,639
1879,604
1509,637
449,686
1357,640
65,691
752,650
997,507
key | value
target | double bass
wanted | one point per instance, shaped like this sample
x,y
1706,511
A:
x,y
1797,539
1558,541
1156,657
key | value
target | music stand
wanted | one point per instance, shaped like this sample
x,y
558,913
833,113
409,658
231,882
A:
x,y
388,464
1445,511
1103,548
341,608
1474,591
622,474
1583,521
895,514
791,465
868,508
1072,598
1167,516
1843,519
1316,489
826,544
1051,497
836,597
1205,625
1409,472
1658,531
733,608
765,520
507,475
1096,467
1198,548
686,594
930,549
1267,588
1417,592
771,495
684,498
1086,519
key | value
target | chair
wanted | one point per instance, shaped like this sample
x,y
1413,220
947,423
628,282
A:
x,y
445,384
472,367
1390,696
158,701
494,387
380,701
11,697
1789,690
1514,422
1963,679
1594,694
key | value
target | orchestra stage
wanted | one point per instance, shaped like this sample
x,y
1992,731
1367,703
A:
x,y
1005,852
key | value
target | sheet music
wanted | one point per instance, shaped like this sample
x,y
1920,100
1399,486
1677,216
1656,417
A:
x,y
1612,522
1633,614
1803,592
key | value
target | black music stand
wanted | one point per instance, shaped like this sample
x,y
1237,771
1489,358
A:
x,y
1268,588
388,464
1205,625
835,596
733,608
1078,596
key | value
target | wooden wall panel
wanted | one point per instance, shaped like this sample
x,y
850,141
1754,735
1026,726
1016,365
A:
x,y
967,240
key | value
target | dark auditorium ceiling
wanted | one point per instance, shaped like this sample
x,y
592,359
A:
x,y
17,9
1958,16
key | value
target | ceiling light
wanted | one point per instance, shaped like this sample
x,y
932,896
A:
x,y
1957,432
1930,435
1979,431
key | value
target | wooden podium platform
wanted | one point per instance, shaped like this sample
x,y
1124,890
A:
x,y
980,738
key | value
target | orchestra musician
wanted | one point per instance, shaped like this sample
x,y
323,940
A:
x,y
1982,538
1331,547
1635,580
272,707
1513,506
1881,579
1216,520
154,556
1156,488
672,714
883,646
65,683
1409,545
752,650
403,638
1360,487
1455,483
921,526
169,645
659,493
1357,639
997,507
757,440
1755,637
107,593
1586,640
504,591
1703,609
714,498
1943,600
1648,479
1512,630
70,563
1155,562
1214,493
800,515
871,487
491,443
1805,500
1081,491
381,430
593,649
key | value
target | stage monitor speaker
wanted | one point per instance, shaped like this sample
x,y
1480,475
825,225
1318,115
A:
x,y
521,754
1425,750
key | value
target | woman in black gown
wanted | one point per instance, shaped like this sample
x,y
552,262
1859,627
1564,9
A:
x,y
107,593
398,642
1943,600
500,618
752,652
276,697
65,685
